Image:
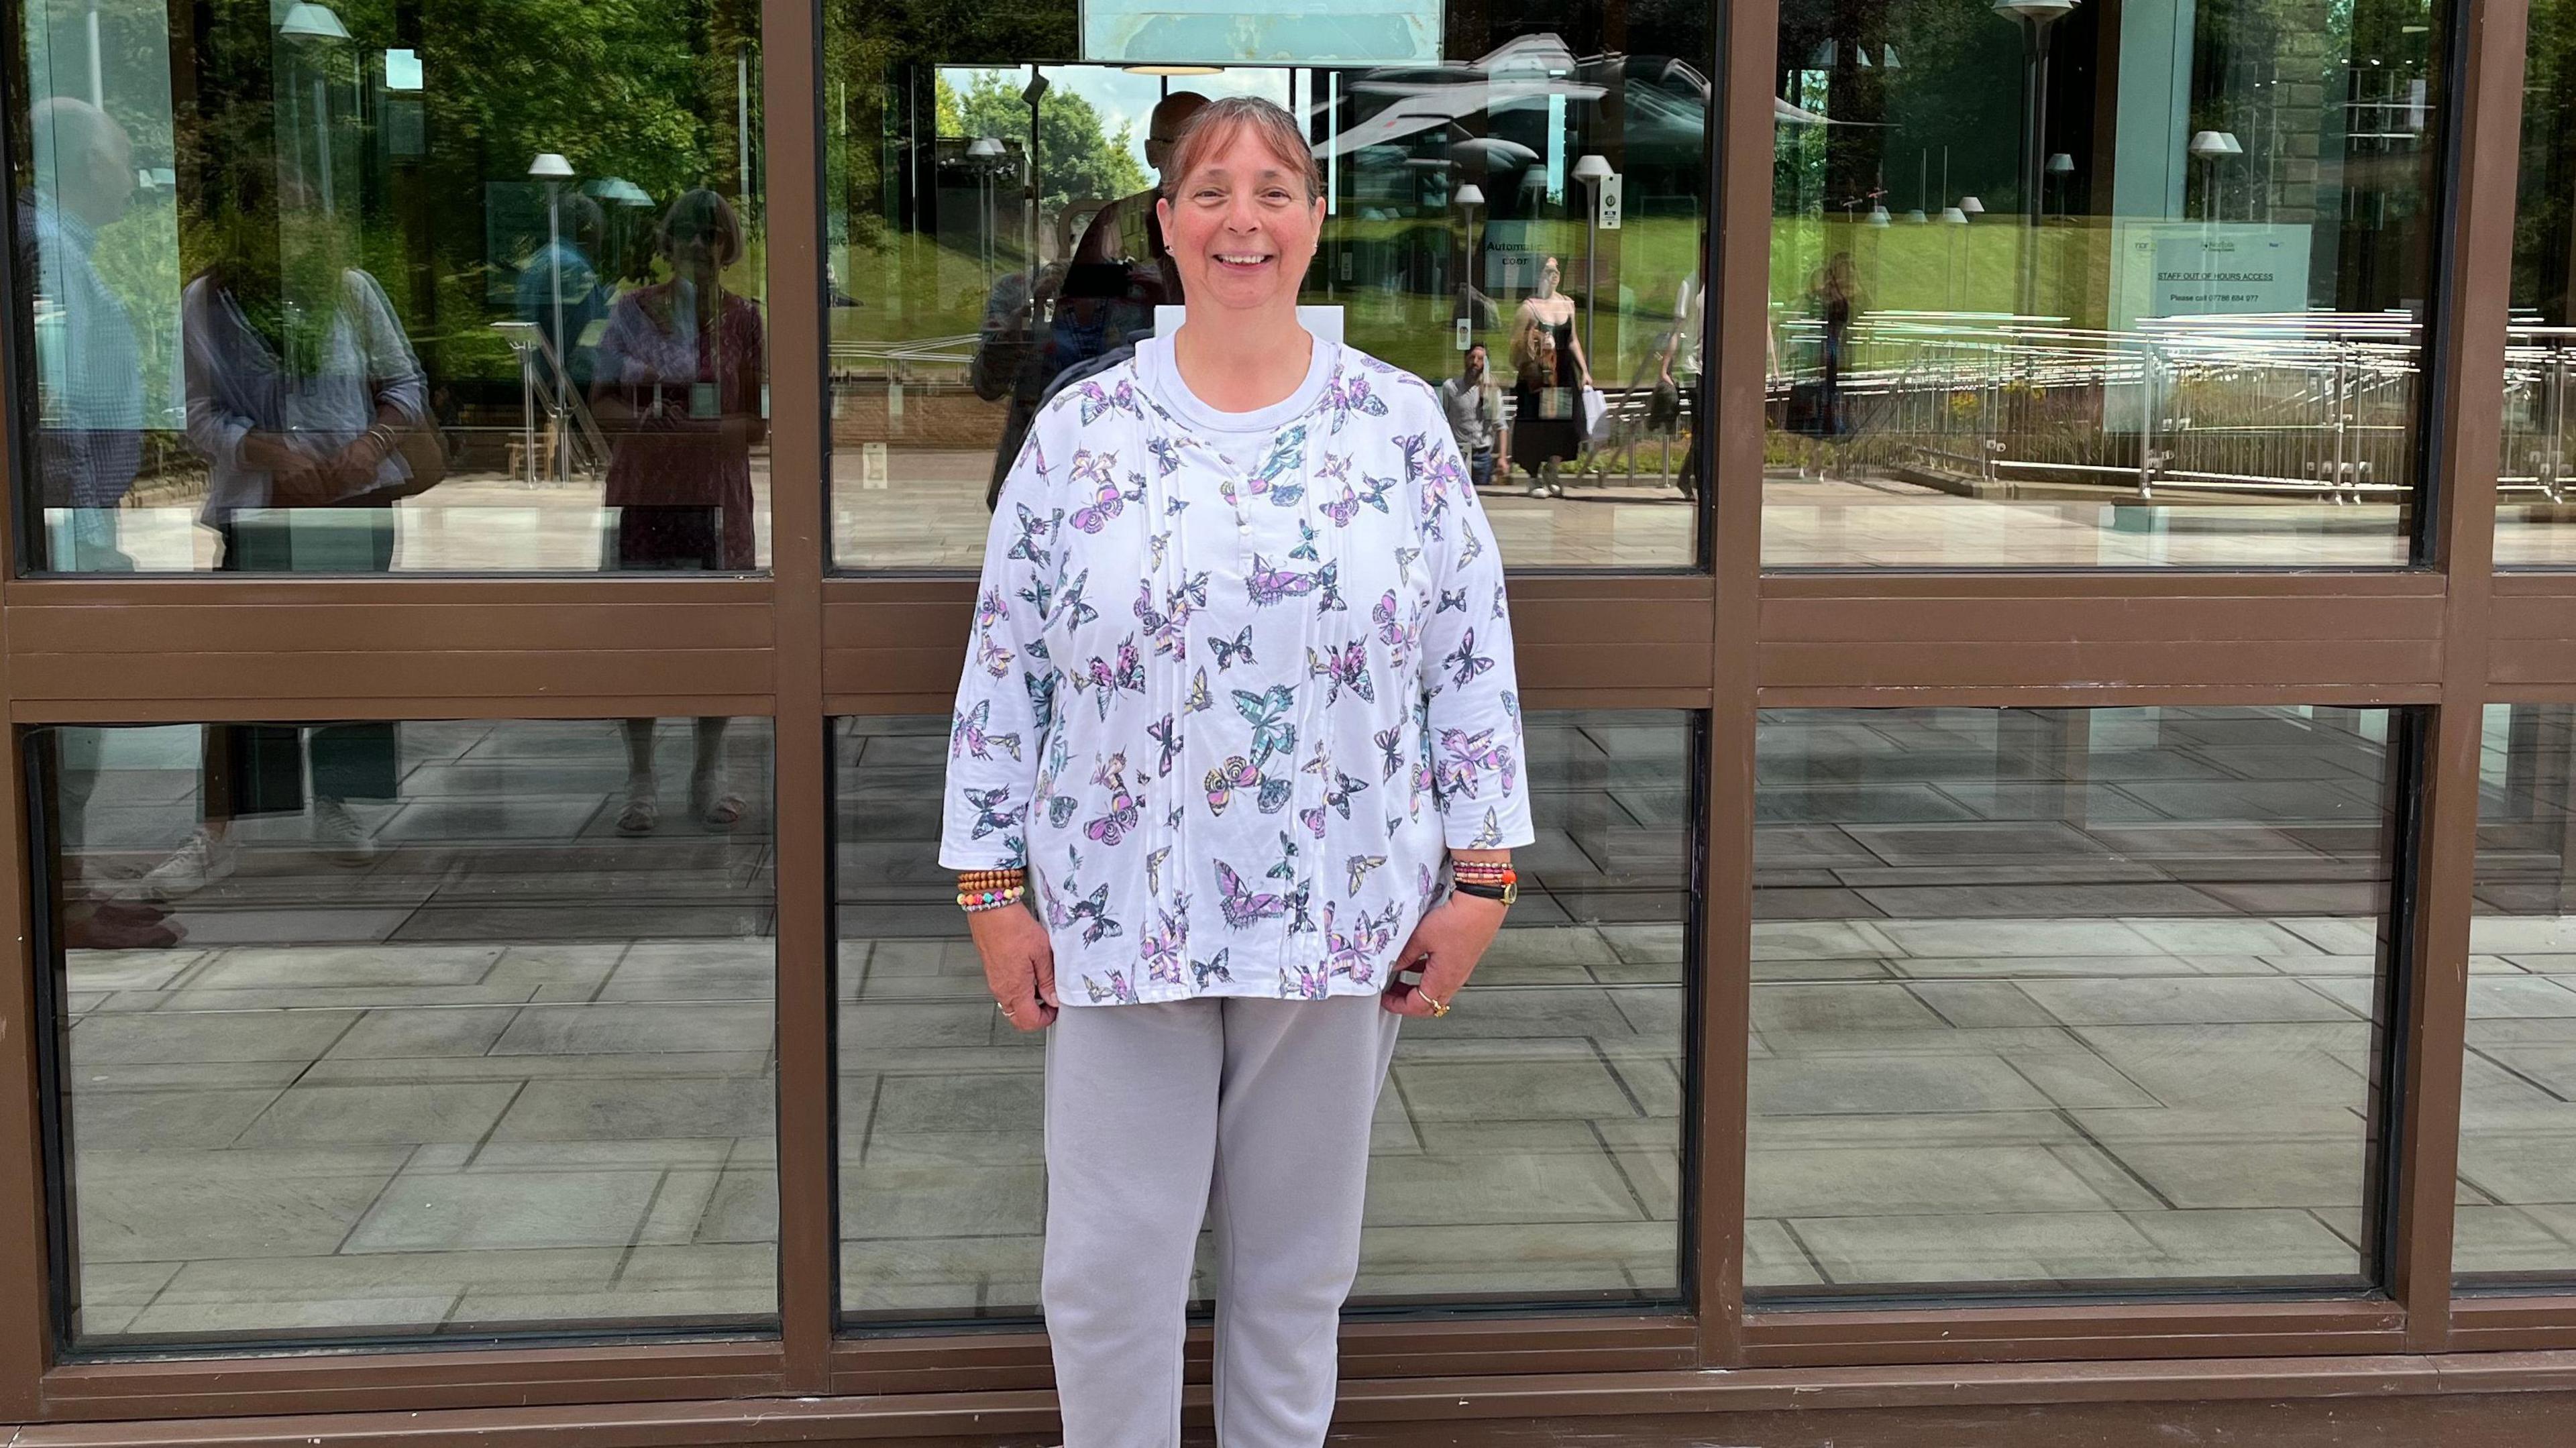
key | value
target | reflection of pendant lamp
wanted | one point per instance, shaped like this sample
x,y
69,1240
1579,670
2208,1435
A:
x,y
2213,147
1878,215
1971,206
1954,216
311,20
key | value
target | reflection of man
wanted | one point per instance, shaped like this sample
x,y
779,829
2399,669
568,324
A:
x,y
1475,408
1125,230
1094,306
565,263
90,376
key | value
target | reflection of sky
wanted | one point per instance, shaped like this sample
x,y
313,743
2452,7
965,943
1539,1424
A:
x,y
1121,97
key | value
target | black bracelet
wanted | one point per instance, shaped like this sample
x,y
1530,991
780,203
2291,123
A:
x,y
1485,892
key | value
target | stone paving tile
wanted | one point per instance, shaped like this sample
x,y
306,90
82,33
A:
x,y
456,1211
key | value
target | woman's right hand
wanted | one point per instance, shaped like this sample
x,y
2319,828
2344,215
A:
x,y
1019,964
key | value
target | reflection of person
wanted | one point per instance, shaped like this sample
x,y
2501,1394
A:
x,y
1475,408
1127,231
1680,369
1096,303
677,391
1547,425
1834,296
301,385
89,425
566,263
1229,993
1551,371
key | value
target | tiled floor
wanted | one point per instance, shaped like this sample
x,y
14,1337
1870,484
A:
x,y
518,1069
2040,999
2044,999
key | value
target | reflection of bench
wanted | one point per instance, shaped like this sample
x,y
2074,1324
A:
x,y
1624,429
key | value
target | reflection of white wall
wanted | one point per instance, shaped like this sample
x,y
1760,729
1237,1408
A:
x,y
2155,108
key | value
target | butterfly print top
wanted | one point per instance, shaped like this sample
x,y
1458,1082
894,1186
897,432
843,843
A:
x,y
1232,716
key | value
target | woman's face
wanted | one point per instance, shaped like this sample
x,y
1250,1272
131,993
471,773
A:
x,y
1241,227
1549,273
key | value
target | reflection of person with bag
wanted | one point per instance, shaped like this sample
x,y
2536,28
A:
x,y
1548,425
313,415
677,390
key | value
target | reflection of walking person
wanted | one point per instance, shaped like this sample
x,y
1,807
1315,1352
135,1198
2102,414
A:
x,y
677,390
1816,408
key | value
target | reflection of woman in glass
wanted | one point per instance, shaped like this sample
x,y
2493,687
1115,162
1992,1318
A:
x,y
1552,370
301,386
1547,425
1834,297
676,387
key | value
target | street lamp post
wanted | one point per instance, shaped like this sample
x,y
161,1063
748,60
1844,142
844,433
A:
x,y
1467,198
551,168
1591,169
2035,17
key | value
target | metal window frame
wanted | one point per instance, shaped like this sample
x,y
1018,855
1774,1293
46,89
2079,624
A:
x,y
804,645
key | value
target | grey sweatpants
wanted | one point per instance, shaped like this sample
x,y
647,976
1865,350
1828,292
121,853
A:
x,y
1253,1114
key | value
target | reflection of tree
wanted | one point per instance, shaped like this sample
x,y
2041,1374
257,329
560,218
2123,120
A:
x,y
2543,215
1077,156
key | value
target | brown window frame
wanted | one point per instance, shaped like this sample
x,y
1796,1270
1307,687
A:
x,y
804,645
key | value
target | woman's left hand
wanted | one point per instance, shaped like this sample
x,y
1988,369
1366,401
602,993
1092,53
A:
x,y
1445,946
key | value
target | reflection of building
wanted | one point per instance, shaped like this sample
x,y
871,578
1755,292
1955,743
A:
x,y
2053,923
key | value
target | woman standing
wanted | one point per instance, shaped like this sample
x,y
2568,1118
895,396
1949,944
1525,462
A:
x,y
1219,818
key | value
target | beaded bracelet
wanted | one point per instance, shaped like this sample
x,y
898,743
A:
x,y
976,901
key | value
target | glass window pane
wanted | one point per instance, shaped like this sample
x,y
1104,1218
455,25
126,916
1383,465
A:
x,y
2054,998
2064,284
470,1034
2538,463
1527,1146
2517,1205
364,289
991,238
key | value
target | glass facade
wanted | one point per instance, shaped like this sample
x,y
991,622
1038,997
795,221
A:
x,y
2536,457
2047,698
391,288
1526,1154
1511,180
2517,1214
2119,285
470,1036
2049,998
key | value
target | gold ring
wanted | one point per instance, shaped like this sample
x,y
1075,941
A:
x,y
1439,1007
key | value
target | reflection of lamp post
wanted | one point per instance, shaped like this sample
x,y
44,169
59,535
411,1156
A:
x,y
2061,169
1034,92
2035,17
2211,148
551,168
986,154
1467,198
1591,169
317,23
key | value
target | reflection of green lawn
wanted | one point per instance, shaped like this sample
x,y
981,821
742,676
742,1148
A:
x,y
913,288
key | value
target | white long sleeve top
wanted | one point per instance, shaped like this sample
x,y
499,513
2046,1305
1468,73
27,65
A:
x,y
1232,719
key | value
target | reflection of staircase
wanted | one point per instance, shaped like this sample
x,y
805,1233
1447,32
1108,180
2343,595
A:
x,y
558,438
